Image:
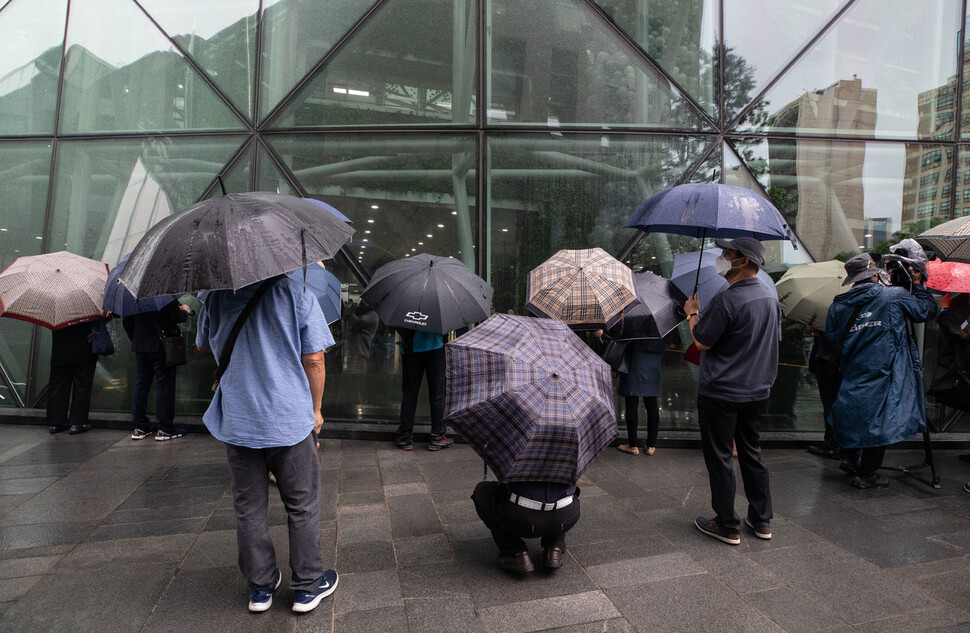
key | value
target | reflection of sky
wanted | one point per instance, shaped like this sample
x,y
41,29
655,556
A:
x,y
29,29
897,47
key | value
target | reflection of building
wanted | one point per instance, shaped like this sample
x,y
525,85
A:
x,y
877,230
822,176
930,179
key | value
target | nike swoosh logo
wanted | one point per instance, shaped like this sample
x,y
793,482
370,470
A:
x,y
325,585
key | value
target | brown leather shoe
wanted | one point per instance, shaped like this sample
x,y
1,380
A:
x,y
552,558
517,563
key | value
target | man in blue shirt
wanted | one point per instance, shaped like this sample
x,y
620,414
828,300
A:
x,y
738,337
264,410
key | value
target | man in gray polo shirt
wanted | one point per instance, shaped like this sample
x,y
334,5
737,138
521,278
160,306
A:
x,y
738,336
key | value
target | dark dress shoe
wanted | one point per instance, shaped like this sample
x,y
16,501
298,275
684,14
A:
x,y
82,428
552,558
824,451
517,563
57,428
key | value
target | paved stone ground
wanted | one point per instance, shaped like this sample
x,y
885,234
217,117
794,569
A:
x,y
99,533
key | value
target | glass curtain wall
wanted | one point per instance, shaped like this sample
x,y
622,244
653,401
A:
x,y
492,131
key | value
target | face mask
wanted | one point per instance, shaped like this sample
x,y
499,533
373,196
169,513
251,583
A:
x,y
723,265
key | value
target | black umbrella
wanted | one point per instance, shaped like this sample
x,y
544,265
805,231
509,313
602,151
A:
x,y
949,241
429,293
658,312
230,242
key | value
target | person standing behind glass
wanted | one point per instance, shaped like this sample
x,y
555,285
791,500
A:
x,y
422,352
145,332
72,375
641,381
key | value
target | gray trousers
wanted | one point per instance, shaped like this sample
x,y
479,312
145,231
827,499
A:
x,y
297,471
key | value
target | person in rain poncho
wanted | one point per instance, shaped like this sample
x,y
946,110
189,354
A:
x,y
880,400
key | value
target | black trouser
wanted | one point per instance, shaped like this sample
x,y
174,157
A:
x,y
870,460
510,523
70,387
723,424
633,418
149,367
413,368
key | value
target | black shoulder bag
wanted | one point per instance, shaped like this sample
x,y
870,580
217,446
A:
x,y
237,326
173,345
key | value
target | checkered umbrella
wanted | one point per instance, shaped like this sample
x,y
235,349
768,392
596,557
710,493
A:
x,y
949,241
530,397
586,288
53,290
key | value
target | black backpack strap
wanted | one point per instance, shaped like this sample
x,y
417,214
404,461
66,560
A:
x,y
237,326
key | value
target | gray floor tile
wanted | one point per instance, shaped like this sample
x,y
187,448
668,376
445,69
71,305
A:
x,y
648,543
546,613
428,549
43,535
442,615
439,580
146,550
688,604
945,618
372,590
151,528
795,612
363,529
25,486
413,515
386,619
28,566
353,499
615,625
635,571
355,558
13,588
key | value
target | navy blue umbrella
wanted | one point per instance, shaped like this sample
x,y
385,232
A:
x,y
321,203
120,301
326,288
706,283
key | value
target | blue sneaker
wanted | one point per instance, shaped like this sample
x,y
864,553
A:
x,y
304,601
140,434
261,598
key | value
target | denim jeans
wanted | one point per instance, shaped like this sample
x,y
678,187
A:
x,y
149,367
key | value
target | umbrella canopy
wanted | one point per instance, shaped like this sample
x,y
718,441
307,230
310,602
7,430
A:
x,y
659,310
119,300
53,290
948,276
709,283
530,398
230,242
325,287
586,288
806,291
710,210
949,241
430,293
320,203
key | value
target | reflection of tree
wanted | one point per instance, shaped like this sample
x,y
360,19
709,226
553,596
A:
x,y
909,230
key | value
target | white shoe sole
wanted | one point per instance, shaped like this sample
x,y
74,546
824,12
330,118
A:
x,y
264,606
756,533
723,539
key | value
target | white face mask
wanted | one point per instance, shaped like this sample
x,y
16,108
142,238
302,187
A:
x,y
723,265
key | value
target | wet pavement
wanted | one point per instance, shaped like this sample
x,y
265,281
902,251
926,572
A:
x,y
100,533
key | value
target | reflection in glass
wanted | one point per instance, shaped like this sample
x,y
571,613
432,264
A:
x,y
108,193
679,36
965,116
406,194
296,36
216,35
865,75
389,74
123,75
562,63
574,191
30,65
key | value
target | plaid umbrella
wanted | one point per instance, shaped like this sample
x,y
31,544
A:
x,y
53,290
948,276
586,288
950,241
530,397
806,291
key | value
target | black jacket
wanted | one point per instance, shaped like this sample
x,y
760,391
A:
x,y
141,327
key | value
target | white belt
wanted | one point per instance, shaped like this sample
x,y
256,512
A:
x,y
532,504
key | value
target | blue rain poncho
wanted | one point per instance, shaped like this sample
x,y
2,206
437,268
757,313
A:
x,y
880,401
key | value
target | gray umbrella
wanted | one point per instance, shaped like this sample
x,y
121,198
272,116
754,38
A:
x,y
230,242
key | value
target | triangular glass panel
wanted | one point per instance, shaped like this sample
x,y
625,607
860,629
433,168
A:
x,y
851,81
386,74
218,36
108,193
761,36
238,176
268,175
679,36
561,63
709,170
30,67
123,75
296,36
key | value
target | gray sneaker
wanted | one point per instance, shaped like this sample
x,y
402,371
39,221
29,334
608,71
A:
x,y
140,434
161,436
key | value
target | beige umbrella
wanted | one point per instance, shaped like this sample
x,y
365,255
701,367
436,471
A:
x,y
806,291
586,288
53,290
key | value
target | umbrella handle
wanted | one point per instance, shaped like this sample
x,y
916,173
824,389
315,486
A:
x,y
700,258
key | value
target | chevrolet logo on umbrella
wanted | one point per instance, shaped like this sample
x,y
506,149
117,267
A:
x,y
415,317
